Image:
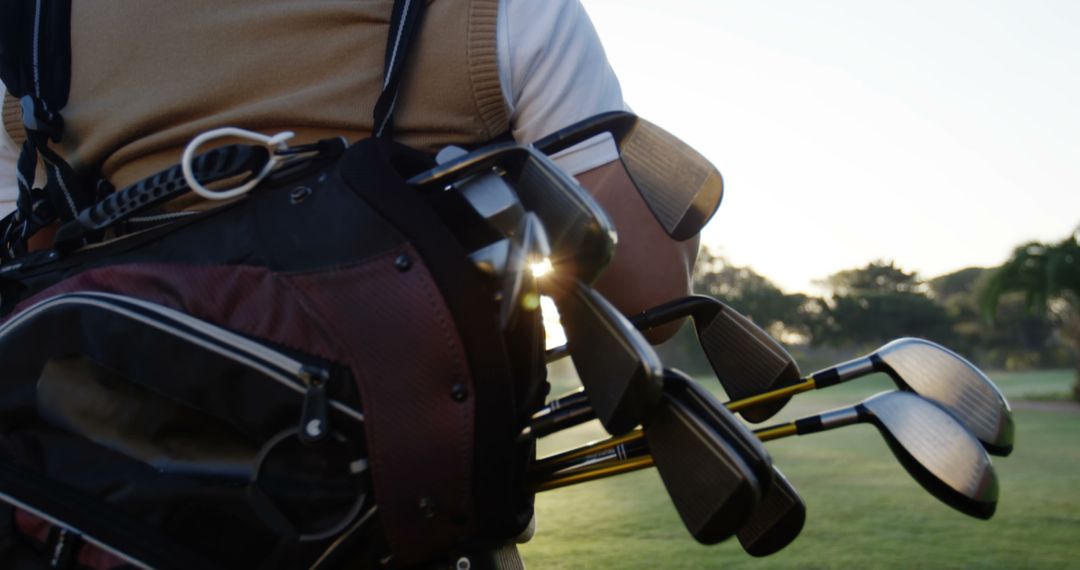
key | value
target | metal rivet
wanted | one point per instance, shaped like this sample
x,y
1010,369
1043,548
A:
x,y
298,194
458,392
427,508
463,564
403,263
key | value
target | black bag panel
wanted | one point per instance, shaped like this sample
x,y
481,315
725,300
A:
x,y
174,441
310,224
161,349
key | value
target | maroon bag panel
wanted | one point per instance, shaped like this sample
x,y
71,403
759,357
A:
x,y
416,389
417,393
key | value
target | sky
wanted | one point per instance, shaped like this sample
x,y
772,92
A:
x,y
937,134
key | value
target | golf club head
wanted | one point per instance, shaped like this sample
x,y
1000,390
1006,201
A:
x,y
510,260
581,236
937,373
746,360
620,371
694,397
504,260
777,521
712,487
936,449
680,186
494,200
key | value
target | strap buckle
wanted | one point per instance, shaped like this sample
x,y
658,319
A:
x,y
37,118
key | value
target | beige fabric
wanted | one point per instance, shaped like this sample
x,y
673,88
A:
x,y
13,119
141,90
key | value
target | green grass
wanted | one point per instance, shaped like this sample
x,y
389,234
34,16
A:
x,y
863,508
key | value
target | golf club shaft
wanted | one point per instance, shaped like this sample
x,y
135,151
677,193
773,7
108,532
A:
x,y
599,471
569,417
572,410
811,424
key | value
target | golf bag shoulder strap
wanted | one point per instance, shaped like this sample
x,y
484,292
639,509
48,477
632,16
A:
x,y
404,28
35,65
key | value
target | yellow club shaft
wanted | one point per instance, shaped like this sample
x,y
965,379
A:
x,y
616,468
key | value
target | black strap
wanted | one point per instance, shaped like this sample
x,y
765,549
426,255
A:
x,y
36,67
404,28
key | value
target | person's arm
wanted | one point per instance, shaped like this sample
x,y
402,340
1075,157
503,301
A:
x,y
9,156
555,73
649,268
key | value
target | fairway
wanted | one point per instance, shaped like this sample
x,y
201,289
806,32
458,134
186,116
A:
x,y
863,508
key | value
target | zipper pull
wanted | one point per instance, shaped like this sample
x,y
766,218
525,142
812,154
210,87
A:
x,y
314,417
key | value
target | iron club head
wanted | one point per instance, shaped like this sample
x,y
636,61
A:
x,y
746,360
712,486
777,521
680,186
620,371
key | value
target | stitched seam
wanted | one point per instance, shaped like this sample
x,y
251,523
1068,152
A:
x,y
482,60
459,375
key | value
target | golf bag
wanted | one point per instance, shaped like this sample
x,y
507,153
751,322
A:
x,y
311,375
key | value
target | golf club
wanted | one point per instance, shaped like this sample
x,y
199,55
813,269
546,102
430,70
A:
x,y
681,188
770,526
619,370
931,371
776,522
915,365
773,525
581,235
709,462
745,358
934,447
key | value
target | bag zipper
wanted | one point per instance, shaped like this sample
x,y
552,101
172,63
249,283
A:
x,y
310,381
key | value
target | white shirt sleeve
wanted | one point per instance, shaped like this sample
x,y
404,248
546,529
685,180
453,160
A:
x,y
9,159
554,73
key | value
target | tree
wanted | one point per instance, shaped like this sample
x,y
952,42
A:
x,y
876,303
1048,275
1017,338
877,276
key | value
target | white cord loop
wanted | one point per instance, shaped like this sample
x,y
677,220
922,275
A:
x,y
276,144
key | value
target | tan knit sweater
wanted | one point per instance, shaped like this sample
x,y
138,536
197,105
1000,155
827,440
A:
x,y
149,76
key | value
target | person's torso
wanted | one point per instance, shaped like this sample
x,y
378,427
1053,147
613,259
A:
x,y
147,77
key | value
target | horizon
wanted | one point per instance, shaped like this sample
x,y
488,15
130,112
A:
x,y
937,136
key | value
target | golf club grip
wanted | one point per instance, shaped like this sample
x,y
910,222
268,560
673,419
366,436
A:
x,y
562,418
549,421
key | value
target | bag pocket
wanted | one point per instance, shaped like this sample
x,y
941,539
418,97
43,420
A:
x,y
187,427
